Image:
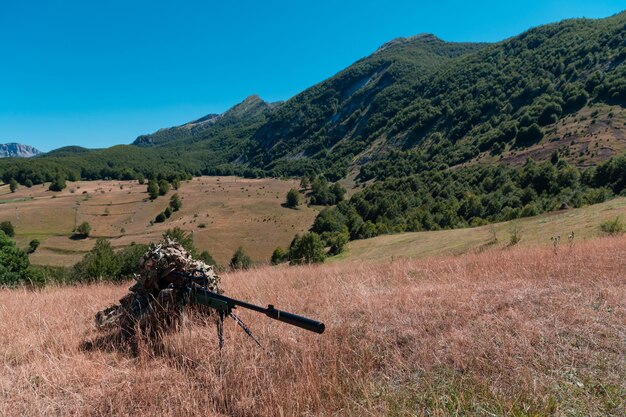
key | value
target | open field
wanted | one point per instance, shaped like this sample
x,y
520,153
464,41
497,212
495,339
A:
x,y
584,222
222,212
519,331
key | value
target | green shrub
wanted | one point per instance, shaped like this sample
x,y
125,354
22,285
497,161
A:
x,y
153,189
279,255
175,202
58,184
321,193
82,231
7,228
128,260
338,191
337,241
99,264
529,210
240,260
53,274
206,257
14,264
304,183
613,227
164,187
13,185
293,198
33,245
529,135
307,249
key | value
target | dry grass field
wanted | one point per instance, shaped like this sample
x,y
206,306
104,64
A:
x,y
584,222
222,212
519,331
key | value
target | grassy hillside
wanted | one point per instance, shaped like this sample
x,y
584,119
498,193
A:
x,y
523,332
222,212
584,222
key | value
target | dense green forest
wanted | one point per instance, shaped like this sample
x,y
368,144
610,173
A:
x,y
471,196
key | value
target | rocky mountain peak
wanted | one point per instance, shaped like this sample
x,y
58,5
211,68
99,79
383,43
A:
x,y
17,150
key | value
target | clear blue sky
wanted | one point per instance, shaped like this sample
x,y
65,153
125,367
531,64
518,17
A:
x,y
99,73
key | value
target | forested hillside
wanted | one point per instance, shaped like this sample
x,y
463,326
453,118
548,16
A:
x,y
202,146
499,97
325,127
249,111
443,129
433,101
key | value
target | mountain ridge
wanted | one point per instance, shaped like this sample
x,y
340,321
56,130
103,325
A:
x,y
17,150
250,108
415,103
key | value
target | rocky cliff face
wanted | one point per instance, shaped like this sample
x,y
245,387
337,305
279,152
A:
x,y
17,150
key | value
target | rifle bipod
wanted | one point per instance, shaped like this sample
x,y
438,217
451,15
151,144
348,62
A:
x,y
220,328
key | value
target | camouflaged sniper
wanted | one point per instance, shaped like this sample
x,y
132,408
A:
x,y
168,280
154,302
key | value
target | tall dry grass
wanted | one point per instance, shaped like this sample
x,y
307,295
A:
x,y
522,331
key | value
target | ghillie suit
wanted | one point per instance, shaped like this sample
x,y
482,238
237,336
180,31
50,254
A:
x,y
170,281
155,303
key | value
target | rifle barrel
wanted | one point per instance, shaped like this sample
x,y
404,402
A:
x,y
212,299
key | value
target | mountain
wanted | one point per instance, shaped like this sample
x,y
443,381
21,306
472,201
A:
x,y
454,102
203,146
414,104
422,98
340,115
249,109
17,150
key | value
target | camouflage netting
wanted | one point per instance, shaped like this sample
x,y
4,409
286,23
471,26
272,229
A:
x,y
155,302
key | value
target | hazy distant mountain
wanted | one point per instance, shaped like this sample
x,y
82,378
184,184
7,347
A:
x,y
17,150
